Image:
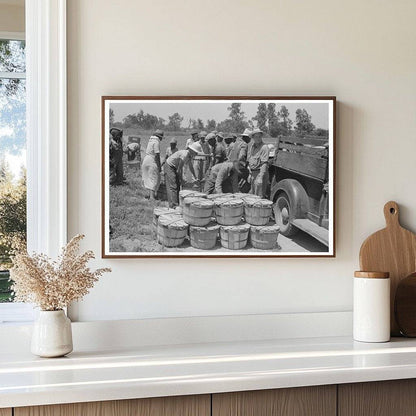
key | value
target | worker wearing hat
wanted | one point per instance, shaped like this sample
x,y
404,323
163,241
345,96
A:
x,y
240,148
201,161
229,140
193,138
223,178
151,167
173,147
116,156
220,151
174,172
133,150
258,158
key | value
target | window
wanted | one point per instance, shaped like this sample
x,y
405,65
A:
x,y
45,90
12,153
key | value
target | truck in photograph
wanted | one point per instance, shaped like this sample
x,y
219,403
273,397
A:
x,y
299,186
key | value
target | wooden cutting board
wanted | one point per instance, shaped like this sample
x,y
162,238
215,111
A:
x,y
393,250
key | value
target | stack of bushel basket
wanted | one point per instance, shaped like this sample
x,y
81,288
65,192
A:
x,y
235,219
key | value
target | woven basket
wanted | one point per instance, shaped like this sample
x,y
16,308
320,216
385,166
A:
x,y
188,193
264,237
197,211
229,211
234,237
217,196
257,211
171,230
244,196
157,212
204,238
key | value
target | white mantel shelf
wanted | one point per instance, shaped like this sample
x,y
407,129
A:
x,y
152,371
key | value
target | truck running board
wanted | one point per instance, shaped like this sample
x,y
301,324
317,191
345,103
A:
x,y
320,233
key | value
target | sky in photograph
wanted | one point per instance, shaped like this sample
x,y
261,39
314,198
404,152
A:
x,y
217,111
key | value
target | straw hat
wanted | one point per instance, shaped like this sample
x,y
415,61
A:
x,y
159,133
196,147
247,132
256,131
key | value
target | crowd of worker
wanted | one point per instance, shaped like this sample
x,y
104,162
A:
x,y
213,163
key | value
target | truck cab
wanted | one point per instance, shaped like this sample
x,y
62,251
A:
x,y
299,186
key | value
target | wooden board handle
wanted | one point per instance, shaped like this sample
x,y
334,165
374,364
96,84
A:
x,y
391,214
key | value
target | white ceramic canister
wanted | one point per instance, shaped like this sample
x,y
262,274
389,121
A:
x,y
371,307
52,334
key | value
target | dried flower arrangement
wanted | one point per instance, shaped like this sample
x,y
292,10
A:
x,y
53,285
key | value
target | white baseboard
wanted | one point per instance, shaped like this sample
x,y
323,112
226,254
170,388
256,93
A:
x,y
103,335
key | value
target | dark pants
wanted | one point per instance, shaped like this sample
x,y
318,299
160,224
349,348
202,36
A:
x,y
173,184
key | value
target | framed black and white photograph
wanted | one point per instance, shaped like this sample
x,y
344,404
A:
x,y
218,176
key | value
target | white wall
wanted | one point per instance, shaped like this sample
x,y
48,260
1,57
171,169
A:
x,y
361,51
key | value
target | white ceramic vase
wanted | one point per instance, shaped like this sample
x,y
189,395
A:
x,y
52,334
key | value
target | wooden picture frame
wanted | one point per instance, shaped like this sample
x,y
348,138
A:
x,y
302,171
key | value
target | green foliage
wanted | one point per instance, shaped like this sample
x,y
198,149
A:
x,y
12,213
261,117
304,124
286,122
236,122
175,121
143,121
211,125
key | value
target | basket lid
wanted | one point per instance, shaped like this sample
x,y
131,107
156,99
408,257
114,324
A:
x,y
173,221
266,229
238,228
198,202
261,203
217,196
162,210
212,226
231,203
188,192
243,195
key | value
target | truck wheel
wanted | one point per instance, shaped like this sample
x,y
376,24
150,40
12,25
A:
x,y
283,215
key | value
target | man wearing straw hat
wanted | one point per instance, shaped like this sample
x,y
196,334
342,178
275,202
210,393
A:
x,y
220,155
240,148
258,158
201,161
173,172
192,139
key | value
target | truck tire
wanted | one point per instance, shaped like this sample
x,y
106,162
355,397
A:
x,y
283,215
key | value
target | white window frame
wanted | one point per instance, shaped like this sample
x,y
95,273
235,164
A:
x,y
46,126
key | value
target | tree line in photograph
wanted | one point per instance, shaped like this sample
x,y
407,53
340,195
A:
x,y
268,118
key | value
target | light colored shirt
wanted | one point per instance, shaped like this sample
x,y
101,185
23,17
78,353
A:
x,y
153,147
178,159
258,155
170,152
239,151
221,172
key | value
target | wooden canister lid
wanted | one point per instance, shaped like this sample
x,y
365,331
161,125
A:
x,y
372,275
